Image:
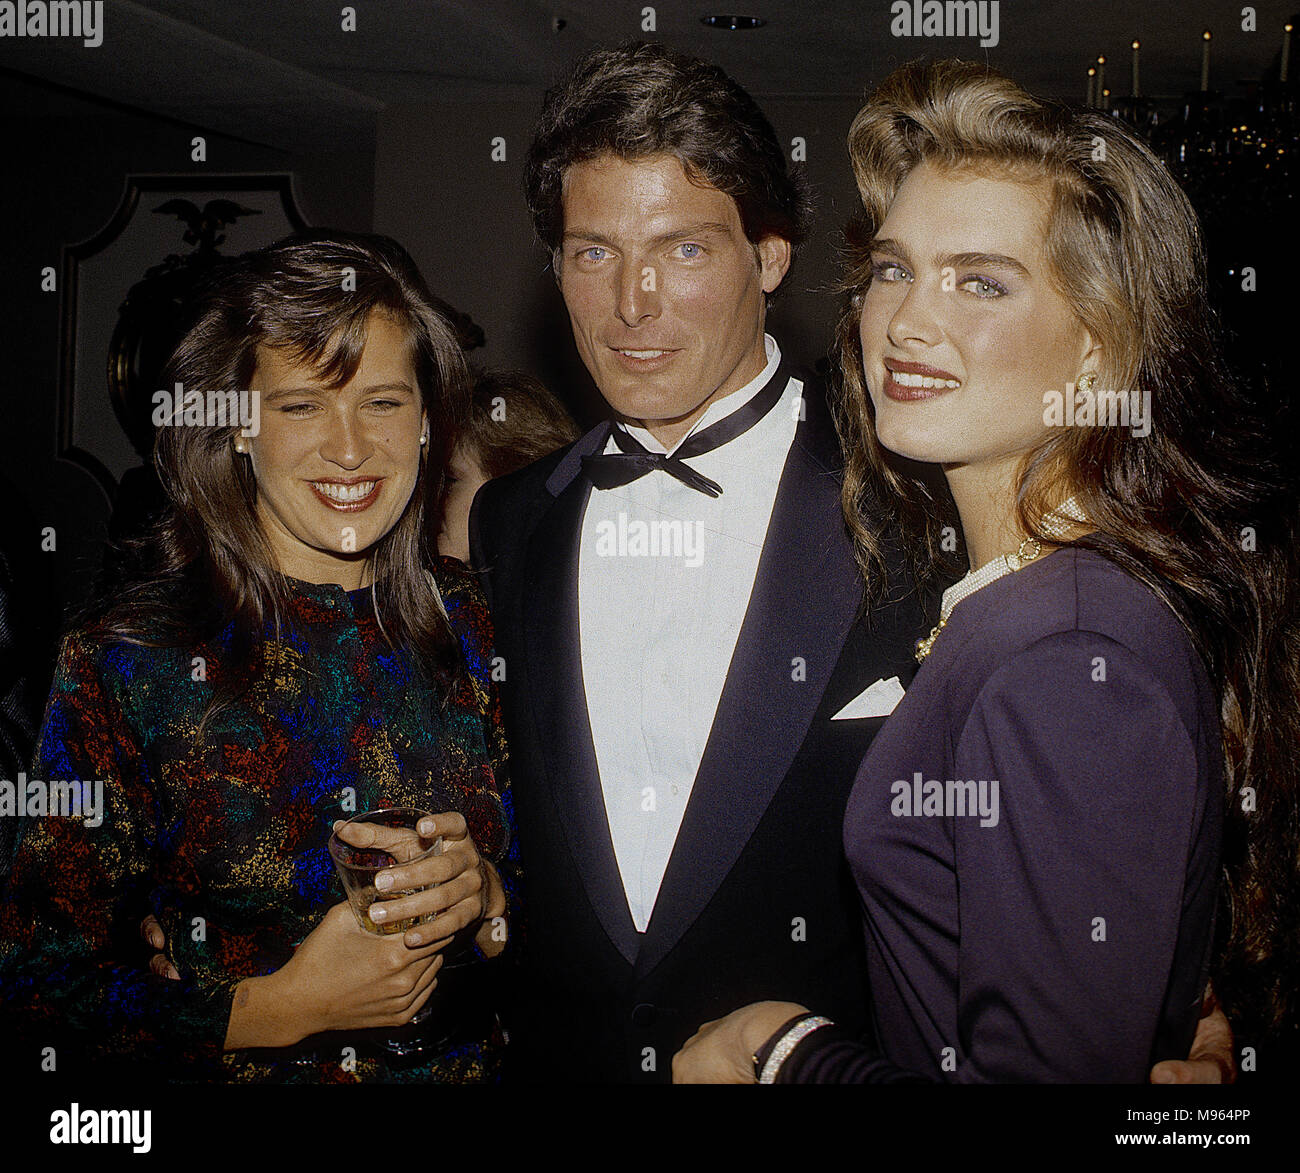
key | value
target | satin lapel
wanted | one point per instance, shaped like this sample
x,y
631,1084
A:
x,y
559,701
805,595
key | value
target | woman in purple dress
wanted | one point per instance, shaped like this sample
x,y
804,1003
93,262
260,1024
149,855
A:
x,y
1036,832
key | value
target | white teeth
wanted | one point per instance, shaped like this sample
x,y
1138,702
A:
x,y
345,493
643,353
905,380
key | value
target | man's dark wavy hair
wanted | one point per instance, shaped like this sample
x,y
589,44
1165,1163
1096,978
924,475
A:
x,y
644,99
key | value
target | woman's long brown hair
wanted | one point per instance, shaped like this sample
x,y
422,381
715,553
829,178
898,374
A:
x,y
206,564
1198,510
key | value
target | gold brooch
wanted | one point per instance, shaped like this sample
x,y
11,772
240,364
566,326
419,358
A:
x,y
923,646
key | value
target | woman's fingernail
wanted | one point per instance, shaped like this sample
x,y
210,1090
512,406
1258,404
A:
x,y
427,827
383,881
378,914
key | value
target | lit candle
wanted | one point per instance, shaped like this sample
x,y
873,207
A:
x,y
1205,62
1101,78
1136,46
1286,50
1092,86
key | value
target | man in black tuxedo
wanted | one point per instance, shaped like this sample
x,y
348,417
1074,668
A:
x,y
676,599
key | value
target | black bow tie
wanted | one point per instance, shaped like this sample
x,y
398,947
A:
x,y
634,460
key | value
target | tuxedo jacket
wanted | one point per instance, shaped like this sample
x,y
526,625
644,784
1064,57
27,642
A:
x,y
756,902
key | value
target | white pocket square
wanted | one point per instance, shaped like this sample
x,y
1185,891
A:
x,y
877,701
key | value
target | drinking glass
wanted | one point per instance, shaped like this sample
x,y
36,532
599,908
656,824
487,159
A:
x,y
396,842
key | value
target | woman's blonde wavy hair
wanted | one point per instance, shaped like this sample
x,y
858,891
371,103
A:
x,y
1198,509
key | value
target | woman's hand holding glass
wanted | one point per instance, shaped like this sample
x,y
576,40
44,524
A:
x,y
344,978
458,888
379,970
339,978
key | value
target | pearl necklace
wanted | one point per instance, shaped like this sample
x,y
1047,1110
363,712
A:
x,y
1055,524
1002,565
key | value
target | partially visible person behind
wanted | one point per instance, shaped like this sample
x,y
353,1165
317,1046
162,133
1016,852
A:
x,y
283,653
513,420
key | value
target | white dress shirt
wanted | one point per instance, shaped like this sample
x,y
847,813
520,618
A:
x,y
660,607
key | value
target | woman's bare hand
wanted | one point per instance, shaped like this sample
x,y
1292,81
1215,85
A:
x,y
340,978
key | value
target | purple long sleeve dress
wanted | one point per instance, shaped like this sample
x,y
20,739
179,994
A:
x,y
1035,837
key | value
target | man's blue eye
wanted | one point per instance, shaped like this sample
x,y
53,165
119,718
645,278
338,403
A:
x,y
691,251
590,253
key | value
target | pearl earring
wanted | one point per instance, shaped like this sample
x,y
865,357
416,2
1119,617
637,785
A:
x,y
424,437
1086,381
